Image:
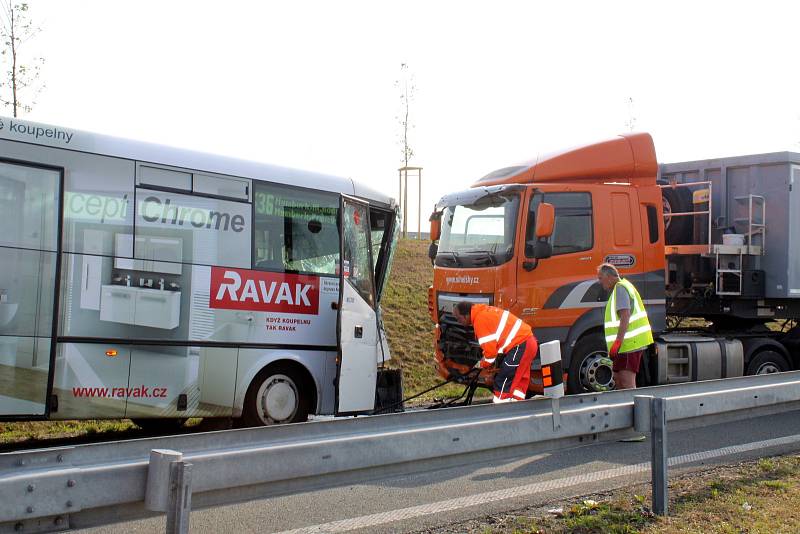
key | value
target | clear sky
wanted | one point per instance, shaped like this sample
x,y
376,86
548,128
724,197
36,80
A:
x,y
312,84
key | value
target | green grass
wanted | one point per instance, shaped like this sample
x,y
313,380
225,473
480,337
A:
x,y
405,315
613,518
40,430
766,464
408,322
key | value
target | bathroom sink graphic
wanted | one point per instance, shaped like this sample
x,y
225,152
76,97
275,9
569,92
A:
x,y
234,332
7,312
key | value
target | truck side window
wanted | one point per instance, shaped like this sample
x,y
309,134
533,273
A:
x,y
652,223
573,227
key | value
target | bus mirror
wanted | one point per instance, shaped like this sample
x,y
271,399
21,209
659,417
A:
x,y
436,225
545,219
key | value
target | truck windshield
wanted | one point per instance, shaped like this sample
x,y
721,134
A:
x,y
479,234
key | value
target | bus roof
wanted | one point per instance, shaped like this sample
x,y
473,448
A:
x,y
23,131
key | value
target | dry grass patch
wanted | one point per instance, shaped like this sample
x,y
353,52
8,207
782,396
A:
x,y
756,497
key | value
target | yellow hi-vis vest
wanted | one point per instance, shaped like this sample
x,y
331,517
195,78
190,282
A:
x,y
639,335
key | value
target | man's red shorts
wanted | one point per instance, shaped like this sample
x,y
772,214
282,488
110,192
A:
x,y
630,361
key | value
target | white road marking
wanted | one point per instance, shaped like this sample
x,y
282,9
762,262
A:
x,y
530,489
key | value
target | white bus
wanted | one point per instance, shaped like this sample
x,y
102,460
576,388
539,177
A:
x,y
148,282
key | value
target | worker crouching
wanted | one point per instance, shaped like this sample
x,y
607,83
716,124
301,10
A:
x,y
501,334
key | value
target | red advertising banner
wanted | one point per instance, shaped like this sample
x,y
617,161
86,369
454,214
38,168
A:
x,y
242,289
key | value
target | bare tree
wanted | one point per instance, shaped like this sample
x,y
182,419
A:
x,y
407,87
19,84
630,124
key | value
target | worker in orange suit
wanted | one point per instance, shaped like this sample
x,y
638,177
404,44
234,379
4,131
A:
x,y
500,333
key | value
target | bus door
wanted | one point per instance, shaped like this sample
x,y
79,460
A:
x,y
29,246
357,321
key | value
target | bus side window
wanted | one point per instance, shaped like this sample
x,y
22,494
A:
x,y
295,230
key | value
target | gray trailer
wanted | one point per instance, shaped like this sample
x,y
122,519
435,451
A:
x,y
732,228
738,253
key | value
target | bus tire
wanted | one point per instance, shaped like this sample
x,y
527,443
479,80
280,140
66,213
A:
x,y
766,362
277,395
587,373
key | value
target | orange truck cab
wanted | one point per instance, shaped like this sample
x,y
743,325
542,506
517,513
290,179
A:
x,y
691,236
608,208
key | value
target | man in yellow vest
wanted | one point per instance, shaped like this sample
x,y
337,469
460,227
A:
x,y
627,329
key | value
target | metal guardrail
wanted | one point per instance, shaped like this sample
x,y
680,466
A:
x,y
98,484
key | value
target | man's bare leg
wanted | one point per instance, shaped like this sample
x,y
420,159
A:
x,y
625,379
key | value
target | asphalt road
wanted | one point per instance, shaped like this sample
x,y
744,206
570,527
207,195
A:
x,y
417,502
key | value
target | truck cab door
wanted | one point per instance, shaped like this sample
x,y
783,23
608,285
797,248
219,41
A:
x,y
553,292
357,335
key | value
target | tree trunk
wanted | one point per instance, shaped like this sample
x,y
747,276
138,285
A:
x,y
13,63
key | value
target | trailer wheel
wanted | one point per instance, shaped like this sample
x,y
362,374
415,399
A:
x,y
677,230
277,395
767,362
589,370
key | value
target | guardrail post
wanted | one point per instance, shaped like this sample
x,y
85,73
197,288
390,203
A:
x,y
180,497
156,496
555,406
658,467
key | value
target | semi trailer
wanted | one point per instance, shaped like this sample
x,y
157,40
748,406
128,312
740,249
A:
x,y
712,246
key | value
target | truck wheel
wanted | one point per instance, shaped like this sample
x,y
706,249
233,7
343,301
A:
x,y
589,370
277,395
677,230
767,362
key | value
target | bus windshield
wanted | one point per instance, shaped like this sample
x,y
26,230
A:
x,y
480,233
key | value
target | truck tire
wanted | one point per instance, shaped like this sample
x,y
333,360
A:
x,y
767,362
677,230
277,395
588,367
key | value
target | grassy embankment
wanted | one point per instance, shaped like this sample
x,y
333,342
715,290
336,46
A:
x,y
407,322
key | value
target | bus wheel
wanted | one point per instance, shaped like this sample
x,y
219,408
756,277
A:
x,y
276,396
767,362
590,368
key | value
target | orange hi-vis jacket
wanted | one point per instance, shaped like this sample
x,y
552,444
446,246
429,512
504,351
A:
x,y
497,331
